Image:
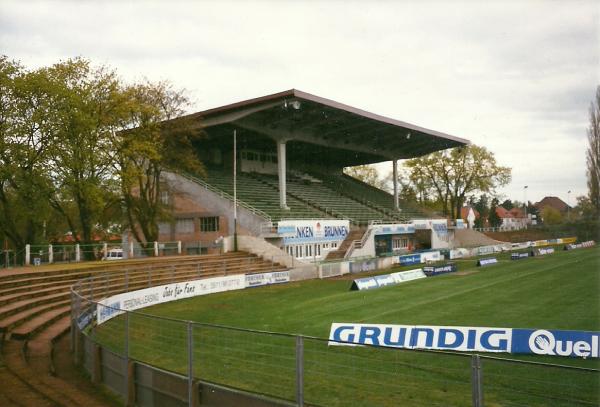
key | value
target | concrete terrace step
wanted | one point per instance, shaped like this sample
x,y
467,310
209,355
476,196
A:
x,y
22,305
11,321
35,286
8,298
113,266
32,326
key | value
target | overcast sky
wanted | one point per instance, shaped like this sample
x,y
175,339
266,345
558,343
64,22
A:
x,y
515,77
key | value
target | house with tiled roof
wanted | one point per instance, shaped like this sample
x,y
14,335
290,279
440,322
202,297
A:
x,y
552,202
469,214
513,219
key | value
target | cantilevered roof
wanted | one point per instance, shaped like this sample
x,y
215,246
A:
x,y
313,127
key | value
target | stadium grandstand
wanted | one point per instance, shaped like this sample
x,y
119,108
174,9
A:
x,y
290,151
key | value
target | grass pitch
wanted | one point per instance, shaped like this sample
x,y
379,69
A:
x,y
558,291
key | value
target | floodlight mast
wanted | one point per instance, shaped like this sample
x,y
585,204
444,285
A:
x,y
235,242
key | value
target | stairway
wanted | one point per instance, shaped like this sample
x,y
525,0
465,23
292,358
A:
x,y
355,234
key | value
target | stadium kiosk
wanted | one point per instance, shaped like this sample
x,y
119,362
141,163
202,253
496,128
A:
x,y
291,150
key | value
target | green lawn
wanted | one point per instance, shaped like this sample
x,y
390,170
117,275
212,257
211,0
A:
x,y
559,291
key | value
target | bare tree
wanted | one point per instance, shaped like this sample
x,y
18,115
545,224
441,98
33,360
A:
x,y
593,154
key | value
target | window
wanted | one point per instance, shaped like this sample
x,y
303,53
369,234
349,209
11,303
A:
x,y
308,251
209,224
185,225
164,197
164,228
399,243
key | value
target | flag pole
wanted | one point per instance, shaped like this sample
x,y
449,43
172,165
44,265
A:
x,y
235,242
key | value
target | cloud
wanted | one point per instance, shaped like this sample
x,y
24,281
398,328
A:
x,y
515,77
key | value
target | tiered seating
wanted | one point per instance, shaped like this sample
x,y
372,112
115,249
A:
x,y
35,304
316,196
263,196
376,197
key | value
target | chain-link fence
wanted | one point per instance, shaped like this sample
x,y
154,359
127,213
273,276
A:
x,y
296,369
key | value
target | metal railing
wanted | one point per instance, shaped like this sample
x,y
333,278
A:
x,y
299,369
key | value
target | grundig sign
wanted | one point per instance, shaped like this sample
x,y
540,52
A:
x,y
582,344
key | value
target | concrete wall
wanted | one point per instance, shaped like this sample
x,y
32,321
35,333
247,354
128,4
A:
x,y
368,250
262,248
438,243
248,222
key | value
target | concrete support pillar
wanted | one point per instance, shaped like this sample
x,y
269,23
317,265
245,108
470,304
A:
x,y
395,177
50,254
155,249
281,166
130,250
77,253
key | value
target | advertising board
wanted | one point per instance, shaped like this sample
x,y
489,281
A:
x,y
431,256
459,253
383,280
542,251
393,229
519,256
487,261
312,231
360,266
409,259
260,279
581,245
468,339
437,270
117,304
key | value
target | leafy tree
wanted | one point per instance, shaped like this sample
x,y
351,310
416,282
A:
x,y
452,175
89,106
593,154
26,135
367,174
154,141
507,204
584,209
532,210
551,216
493,218
482,206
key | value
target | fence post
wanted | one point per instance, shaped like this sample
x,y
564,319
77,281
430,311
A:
x,y
476,381
130,250
77,253
126,357
104,250
155,249
179,247
92,302
27,254
50,254
299,370
190,330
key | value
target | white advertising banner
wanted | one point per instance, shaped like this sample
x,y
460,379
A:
x,y
112,306
259,279
312,231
